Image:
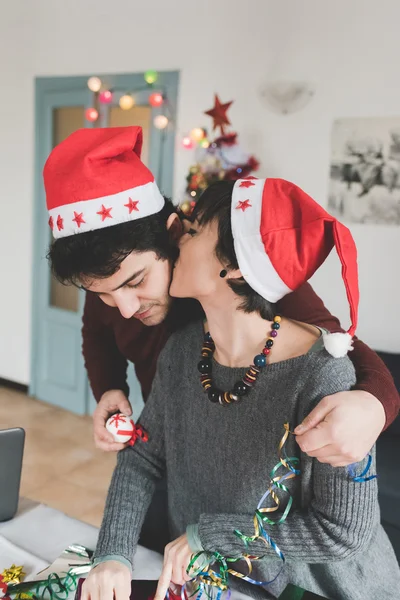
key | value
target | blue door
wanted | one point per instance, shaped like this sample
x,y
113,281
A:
x,y
57,371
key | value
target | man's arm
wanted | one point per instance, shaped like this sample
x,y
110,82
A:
x,y
105,365
372,375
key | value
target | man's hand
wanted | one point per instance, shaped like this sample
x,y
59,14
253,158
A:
x,y
177,556
110,580
111,402
342,428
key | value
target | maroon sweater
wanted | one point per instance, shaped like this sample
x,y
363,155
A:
x,y
110,341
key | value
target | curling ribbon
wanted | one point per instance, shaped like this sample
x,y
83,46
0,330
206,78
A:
x,y
363,477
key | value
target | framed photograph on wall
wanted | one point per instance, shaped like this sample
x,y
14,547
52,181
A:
x,y
365,171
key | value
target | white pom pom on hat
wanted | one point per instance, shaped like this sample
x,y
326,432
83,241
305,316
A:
x,y
282,236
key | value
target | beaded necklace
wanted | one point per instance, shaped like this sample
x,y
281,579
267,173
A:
x,y
242,387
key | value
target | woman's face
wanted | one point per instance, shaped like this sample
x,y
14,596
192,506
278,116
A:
x,y
196,272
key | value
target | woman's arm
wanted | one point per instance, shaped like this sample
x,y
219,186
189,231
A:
x,y
133,482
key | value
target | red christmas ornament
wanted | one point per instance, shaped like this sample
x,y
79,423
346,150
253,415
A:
x,y
218,114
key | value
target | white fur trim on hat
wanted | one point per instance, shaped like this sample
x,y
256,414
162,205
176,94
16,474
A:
x,y
98,213
337,344
252,258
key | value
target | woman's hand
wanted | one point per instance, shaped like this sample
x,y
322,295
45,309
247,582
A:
x,y
110,580
111,402
177,556
342,428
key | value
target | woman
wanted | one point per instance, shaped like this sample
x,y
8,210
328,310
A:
x,y
251,243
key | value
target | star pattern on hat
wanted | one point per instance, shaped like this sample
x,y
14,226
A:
x,y
51,223
78,218
132,205
105,213
243,205
60,223
246,184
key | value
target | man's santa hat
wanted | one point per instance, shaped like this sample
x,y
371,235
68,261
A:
x,y
95,179
282,236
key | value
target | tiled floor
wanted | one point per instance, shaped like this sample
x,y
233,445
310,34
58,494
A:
x,y
62,468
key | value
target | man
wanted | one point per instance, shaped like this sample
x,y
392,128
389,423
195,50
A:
x,y
116,237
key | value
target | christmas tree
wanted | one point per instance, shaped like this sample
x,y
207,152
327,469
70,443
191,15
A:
x,y
219,159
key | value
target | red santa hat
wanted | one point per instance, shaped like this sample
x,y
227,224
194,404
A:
x,y
95,179
282,236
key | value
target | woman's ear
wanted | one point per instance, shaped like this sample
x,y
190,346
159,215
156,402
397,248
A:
x,y
175,227
234,274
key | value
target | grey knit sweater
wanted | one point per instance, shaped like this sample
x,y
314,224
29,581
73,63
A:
x,y
218,459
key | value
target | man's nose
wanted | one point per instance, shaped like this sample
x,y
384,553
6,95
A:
x,y
127,303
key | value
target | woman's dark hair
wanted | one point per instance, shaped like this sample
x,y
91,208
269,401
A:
x,y
215,205
99,253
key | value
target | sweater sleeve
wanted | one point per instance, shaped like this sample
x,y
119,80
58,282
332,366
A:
x,y
336,522
133,483
105,365
372,373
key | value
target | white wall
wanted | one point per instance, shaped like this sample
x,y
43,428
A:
x,y
349,50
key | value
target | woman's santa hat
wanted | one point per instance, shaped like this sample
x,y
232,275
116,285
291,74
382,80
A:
x,y
282,236
95,179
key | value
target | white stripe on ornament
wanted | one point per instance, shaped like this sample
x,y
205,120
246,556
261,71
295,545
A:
x,y
254,262
149,202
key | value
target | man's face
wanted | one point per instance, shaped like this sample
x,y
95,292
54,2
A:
x,y
138,289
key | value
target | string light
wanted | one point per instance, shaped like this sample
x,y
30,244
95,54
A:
x,y
156,99
150,77
106,97
160,121
126,102
91,114
197,134
94,84
187,142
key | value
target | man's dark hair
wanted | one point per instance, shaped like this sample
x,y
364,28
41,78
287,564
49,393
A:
x,y
215,205
98,254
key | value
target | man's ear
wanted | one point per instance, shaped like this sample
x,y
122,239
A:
x,y
174,226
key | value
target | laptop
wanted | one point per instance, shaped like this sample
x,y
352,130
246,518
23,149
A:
x,y
11,453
